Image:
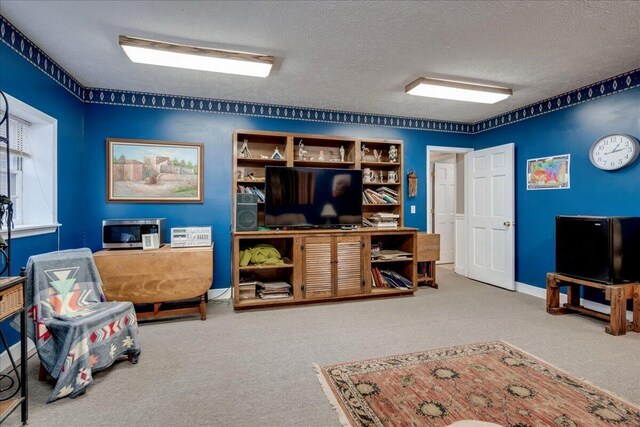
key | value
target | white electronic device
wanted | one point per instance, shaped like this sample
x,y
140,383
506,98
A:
x,y
189,237
150,241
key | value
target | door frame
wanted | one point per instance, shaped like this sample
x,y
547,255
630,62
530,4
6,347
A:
x,y
439,149
460,269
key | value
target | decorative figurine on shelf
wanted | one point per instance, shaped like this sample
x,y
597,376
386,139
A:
x,y
392,177
301,151
393,154
264,156
363,151
380,176
378,155
276,155
244,150
368,175
341,153
321,156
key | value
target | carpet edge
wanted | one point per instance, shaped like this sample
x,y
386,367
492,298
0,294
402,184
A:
x,y
333,401
571,374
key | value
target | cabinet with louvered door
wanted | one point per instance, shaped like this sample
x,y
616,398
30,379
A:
x,y
348,265
318,256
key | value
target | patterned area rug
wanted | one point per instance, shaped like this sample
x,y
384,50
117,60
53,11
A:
x,y
493,382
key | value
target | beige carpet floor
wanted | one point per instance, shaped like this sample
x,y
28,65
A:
x,y
255,368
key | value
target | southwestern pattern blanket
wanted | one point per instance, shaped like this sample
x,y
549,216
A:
x,y
76,332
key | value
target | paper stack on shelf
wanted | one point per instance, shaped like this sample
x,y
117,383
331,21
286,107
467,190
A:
x,y
381,196
390,254
382,220
248,289
275,290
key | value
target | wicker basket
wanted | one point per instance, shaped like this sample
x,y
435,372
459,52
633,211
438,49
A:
x,y
11,301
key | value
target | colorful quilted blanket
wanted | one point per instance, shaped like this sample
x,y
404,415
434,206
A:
x,y
76,332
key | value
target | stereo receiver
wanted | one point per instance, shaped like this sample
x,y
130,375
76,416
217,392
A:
x,y
190,237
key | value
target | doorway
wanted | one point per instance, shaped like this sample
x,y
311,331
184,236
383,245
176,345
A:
x,y
446,204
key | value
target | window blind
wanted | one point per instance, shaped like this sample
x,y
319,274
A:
x,y
18,136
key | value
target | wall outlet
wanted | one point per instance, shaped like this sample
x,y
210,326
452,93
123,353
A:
x,y
413,209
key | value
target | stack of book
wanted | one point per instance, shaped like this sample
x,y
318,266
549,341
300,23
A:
x,y
389,279
381,220
249,189
389,254
275,290
248,289
381,196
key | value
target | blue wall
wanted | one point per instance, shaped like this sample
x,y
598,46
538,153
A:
x,y
592,192
216,131
23,81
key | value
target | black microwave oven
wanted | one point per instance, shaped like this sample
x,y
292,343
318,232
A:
x,y
598,248
127,233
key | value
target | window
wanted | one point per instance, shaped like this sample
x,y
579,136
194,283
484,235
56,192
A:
x,y
32,169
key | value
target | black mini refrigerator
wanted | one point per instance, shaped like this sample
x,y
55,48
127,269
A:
x,y
601,249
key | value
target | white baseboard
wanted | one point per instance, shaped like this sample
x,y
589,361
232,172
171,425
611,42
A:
x,y
542,293
5,362
219,293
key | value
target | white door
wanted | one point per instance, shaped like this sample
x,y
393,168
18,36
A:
x,y
444,212
491,234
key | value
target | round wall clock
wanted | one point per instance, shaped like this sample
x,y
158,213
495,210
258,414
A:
x,y
614,152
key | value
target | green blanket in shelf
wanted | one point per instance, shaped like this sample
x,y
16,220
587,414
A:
x,y
262,254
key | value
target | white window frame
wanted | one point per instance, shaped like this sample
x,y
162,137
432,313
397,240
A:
x,y
43,127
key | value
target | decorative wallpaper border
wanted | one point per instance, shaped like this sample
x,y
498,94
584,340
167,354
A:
x,y
24,47
619,83
218,106
18,42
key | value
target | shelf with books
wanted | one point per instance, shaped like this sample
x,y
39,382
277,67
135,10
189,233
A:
x,y
393,263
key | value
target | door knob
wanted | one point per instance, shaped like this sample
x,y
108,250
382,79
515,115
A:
x,y
506,223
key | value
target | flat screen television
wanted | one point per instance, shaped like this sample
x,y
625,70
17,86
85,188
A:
x,y
312,197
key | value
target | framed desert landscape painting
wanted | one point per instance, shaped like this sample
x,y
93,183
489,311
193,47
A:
x,y
154,171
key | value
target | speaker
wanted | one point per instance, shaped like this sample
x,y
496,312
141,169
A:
x,y
246,212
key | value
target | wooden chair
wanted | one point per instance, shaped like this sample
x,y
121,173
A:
x,y
428,253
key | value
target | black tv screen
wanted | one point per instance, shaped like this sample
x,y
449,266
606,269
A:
x,y
311,197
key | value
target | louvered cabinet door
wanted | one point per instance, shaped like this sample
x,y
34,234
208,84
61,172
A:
x,y
318,267
349,280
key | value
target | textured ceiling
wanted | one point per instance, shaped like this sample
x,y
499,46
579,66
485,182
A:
x,y
353,56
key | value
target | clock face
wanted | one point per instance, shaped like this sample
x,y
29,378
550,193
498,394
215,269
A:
x,y
613,152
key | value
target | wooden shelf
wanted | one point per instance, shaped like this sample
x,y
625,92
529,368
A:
x,y
7,406
391,291
259,161
364,205
323,164
287,264
379,165
261,302
381,184
249,181
382,261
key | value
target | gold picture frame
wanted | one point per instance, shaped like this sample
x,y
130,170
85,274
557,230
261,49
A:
x,y
150,171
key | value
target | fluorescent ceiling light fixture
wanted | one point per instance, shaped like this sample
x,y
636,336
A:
x,y
459,91
154,52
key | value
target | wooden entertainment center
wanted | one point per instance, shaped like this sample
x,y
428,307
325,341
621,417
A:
x,y
323,265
